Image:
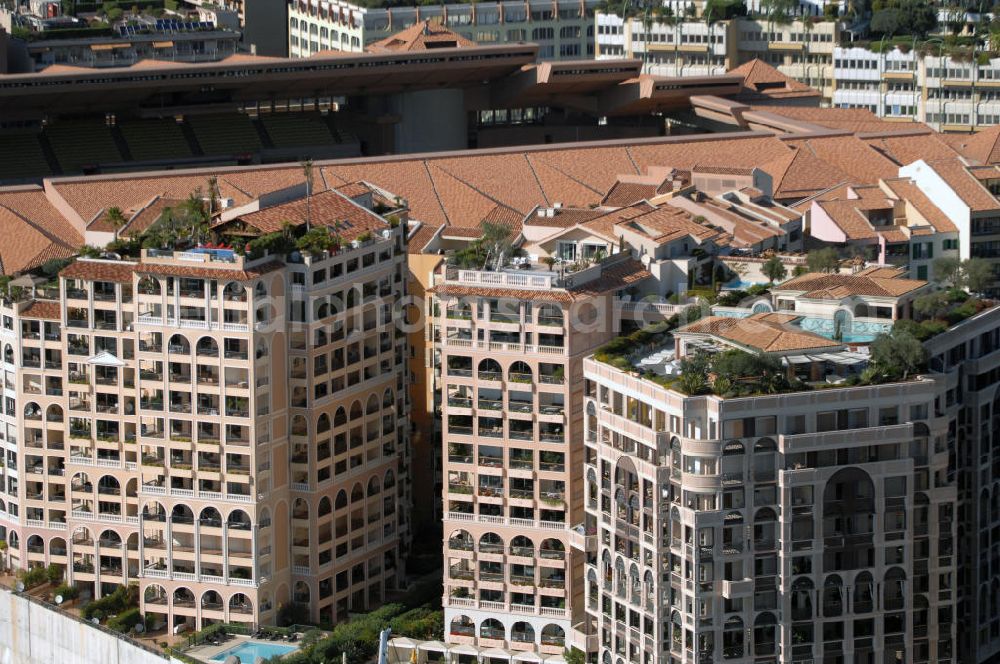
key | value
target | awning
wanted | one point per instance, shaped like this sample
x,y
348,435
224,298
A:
x,y
166,44
109,47
464,649
105,359
433,646
495,652
555,659
527,656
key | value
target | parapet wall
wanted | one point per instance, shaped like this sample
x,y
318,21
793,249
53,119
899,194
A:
x,y
33,633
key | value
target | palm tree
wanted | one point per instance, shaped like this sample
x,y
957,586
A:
x,y
117,219
307,171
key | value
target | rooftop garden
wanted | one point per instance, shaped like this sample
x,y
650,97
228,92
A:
x,y
416,615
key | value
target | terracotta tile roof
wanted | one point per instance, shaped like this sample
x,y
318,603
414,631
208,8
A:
x,y
985,172
849,119
767,332
907,190
34,229
613,278
831,285
968,188
420,36
882,271
849,216
328,208
722,170
26,246
148,215
209,273
982,147
850,155
419,239
100,270
42,309
623,194
762,81
354,189
451,290
563,217
907,149
504,216
800,173
90,195
461,232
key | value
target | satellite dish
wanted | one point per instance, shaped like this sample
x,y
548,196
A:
x,y
59,599
20,586
96,621
139,628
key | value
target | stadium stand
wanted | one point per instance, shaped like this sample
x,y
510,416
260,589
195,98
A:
x,y
288,130
81,143
229,134
21,156
154,139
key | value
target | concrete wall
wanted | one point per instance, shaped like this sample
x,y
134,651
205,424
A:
x,y
32,633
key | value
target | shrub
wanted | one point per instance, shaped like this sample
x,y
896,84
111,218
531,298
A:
x,y
35,576
111,604
54,573
67,591
126,620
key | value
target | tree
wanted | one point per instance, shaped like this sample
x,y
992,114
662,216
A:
x,y
886,22
307,172
932,305
694,373
496,239
948,270
774,269
977,274
116,218
897,355
823,260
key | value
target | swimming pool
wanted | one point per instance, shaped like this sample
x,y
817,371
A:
x,y
739,284
249,651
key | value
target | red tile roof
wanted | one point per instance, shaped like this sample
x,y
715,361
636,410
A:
x,y
326,208
42,309
420,36
762,81
100,270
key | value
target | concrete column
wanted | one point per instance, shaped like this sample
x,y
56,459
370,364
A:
x,y
197,549
225,551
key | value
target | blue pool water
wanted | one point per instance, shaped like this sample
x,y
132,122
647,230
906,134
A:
x,y
248,652
857,332
738,284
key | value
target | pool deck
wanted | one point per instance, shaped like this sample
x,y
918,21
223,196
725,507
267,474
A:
x,y
206,652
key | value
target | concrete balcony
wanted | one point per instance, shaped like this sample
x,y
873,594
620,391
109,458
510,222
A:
x,y
736,589
581,540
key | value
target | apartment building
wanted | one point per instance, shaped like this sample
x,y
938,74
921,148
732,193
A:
x,y
684,48
892,223
563,29
800,49
949,94
818,524
966,195
511,351
226,430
